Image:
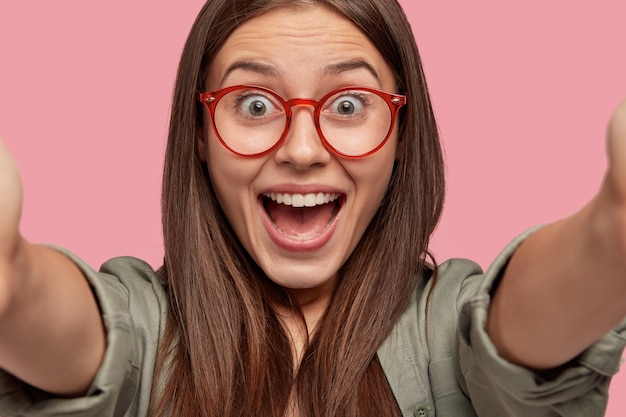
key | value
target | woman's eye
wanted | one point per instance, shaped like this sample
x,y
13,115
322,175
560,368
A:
x,y
255,105
347,105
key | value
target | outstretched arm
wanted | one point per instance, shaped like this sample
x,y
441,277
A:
x,y
565,287
51,332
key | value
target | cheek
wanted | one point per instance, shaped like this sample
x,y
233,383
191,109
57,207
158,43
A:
x,y
231,194
228,181
380,167
381,172
225,174
372,178
225,169
377,185
232,178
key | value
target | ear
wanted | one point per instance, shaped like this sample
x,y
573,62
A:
x,y
202,145
202,139
400,145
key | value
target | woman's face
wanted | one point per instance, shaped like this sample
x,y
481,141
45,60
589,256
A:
x,y
299,53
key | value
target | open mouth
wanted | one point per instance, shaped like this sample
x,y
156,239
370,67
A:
x,y
302,216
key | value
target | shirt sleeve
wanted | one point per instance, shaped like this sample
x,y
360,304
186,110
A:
x,y
132,303
499,388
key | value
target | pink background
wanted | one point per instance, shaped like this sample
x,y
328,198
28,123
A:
x,y
522,92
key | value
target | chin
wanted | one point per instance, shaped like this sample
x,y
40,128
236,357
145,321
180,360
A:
x,y
306,278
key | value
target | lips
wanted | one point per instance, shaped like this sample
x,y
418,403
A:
x,y
300,222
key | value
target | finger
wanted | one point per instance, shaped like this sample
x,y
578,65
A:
x,y
10,196
616,147
616,137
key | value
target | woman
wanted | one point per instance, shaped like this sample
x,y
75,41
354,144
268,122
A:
x,y
267,307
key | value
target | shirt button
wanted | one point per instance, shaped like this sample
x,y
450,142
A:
x,y
421,411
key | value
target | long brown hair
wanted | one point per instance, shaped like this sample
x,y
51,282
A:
x,y
225,352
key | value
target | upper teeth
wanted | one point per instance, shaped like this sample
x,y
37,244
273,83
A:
x,y
302,200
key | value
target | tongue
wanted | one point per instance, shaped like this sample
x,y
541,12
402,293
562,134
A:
x,y
300,222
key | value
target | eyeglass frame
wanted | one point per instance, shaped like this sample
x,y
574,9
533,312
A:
x,y
211,98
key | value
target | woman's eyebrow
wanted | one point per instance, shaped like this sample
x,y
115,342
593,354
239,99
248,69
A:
x,y
262,69
338,68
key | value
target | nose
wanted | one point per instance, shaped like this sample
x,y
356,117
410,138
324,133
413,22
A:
x,y
302,147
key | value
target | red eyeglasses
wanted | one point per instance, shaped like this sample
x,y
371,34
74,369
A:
x,y
352,122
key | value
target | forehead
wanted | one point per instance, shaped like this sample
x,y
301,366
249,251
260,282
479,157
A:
x,y
298,44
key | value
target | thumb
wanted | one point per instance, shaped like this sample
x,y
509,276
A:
x,y
10,199
616,147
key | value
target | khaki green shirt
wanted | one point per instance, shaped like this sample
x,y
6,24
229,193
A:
x,y
447,367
